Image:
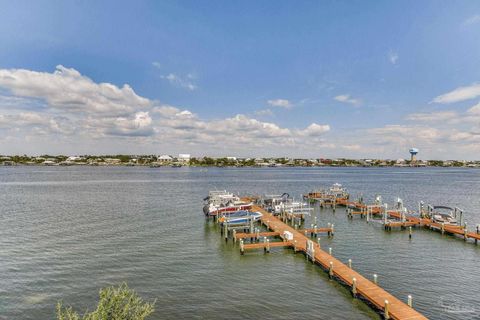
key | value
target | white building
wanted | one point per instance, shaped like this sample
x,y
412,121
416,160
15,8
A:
x,y
184,158
165,159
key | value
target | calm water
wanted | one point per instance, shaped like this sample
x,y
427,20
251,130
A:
x,y
65,232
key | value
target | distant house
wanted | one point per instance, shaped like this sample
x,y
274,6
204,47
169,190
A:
x,y
164,159
400,163
184,158
74,158
232,158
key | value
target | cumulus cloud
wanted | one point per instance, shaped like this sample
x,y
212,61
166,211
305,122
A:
x,y
73,105
346,98
179,81
67,90
315,130
459,94
281,103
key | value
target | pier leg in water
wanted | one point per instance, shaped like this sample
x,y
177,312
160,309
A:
x,y
410,232
330,271
409,301
386,310
354,287
478,232
350,263
375,279
242,249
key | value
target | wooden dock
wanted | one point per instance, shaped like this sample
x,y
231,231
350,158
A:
x,y
390,306
361,209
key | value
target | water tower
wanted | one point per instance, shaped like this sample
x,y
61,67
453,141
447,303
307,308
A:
x,y
413,153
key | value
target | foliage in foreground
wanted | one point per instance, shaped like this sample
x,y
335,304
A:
x,y
116,303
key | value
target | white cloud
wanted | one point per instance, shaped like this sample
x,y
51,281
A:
x,y
281,103
346,98
157,64
314,130
459,94
475,110
472,20
393,57
433,116
67,90
264,112
183,82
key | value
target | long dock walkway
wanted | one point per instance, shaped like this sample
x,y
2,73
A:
x,y
392,307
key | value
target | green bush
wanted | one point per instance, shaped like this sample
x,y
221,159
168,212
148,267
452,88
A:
x,y
116,303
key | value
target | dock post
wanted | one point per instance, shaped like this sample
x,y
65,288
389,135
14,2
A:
x,y
354,287
267,249
331,230
350,263
330,271
318,241
386,310
315,220
465,232
242,249
409,301
251,225
225,232
385,215
258,234
410,232
375,278
315,231
443,228
295,246
311,231
234,233
478,232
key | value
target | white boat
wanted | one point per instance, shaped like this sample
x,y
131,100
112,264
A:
x,y
243,219
445,215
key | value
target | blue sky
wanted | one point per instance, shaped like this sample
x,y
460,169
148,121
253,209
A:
x,y
295,78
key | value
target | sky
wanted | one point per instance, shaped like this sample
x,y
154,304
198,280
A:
x,y
319,79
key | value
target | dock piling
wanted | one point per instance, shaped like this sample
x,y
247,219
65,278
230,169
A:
x,y
354,287
410,232
409,301
330,270
375,278
350,263
386,310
